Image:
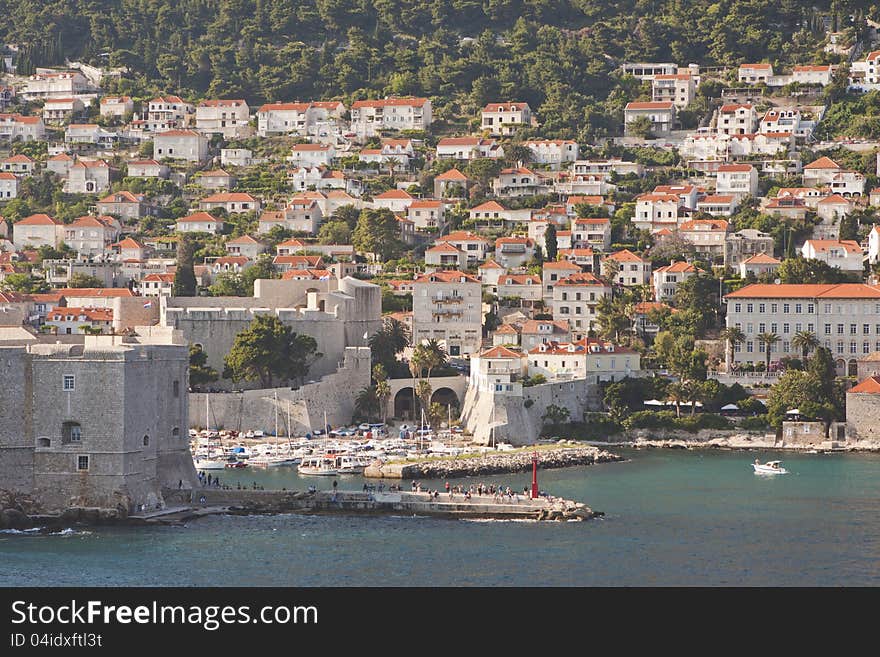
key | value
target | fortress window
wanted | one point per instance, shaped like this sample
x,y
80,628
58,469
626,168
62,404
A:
x,y
146,441
71,432
82,462
175,387
69,382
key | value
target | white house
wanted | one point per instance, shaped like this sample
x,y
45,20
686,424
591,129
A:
x,y
505,118
427,214
513,252
61,84
225,117
660,113
147,169
24,128
8,185
524,287
116,106
666,279
88,177
846,255
236,157
396,200
758,264
718,205
736,119
656,211
821,171
575,299
444,255
245,246
37,230
283,118
125,204
468,148
677,88
186,145
709,236
312,155
91,236
167,113
591,232
553,152
447,306
200,222
475,246
813,75
368,117
632,270
589,358
231,201
754,73
740,180
58,110
20,165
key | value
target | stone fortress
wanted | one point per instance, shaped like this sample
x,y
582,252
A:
x,y
102,423
336,313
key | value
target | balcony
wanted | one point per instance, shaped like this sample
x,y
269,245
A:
x,y
452,299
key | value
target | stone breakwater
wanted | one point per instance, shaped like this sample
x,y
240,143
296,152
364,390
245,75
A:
x,y
490,464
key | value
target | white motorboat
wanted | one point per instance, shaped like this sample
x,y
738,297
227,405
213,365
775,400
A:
x,y
349,464
770,467
319,465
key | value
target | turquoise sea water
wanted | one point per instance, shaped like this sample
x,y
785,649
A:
x,y
673,517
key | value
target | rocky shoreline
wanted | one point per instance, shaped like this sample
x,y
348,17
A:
x,y
491,464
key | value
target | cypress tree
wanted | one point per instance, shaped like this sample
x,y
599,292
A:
x,y
185,275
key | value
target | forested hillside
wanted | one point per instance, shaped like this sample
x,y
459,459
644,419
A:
x,y
556,55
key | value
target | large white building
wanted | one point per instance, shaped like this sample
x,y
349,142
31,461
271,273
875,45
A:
x,y
575,299
844,317
369,117
677,88
738,179
224,117
591,359
447,306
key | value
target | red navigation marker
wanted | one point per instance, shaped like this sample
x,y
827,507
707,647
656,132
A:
x,y
535,476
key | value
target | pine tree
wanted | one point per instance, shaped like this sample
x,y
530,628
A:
x,y
185,275
550,242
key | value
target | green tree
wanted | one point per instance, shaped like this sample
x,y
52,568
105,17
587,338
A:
x,y
640,127
377,232
768,340
550,242
803,271
263,268
383,389
806,341
335,232
228,284
24,283
185,275
199,371
734,336
366,403
267,351
386,343
84,280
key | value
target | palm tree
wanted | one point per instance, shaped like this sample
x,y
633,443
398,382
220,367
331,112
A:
x,y
424,392
435,355
366,403
383,389
768,340
416,365
806,341
734,336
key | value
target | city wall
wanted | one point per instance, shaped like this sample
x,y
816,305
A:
x,y
258,409
518,419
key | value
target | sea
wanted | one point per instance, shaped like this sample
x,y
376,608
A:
x,y
672,518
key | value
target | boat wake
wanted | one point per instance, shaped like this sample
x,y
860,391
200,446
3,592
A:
x,y
45,531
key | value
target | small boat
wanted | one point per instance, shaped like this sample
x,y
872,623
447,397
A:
x,y
319,465
236,464
770,467
346,464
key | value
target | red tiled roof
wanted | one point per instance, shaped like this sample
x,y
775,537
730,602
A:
x,y
807,291
871,385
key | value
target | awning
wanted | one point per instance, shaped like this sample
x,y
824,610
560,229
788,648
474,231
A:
x,y
730,407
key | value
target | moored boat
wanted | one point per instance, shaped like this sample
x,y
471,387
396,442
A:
x,y
319,465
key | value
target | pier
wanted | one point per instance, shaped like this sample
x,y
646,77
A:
x,y
445,505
